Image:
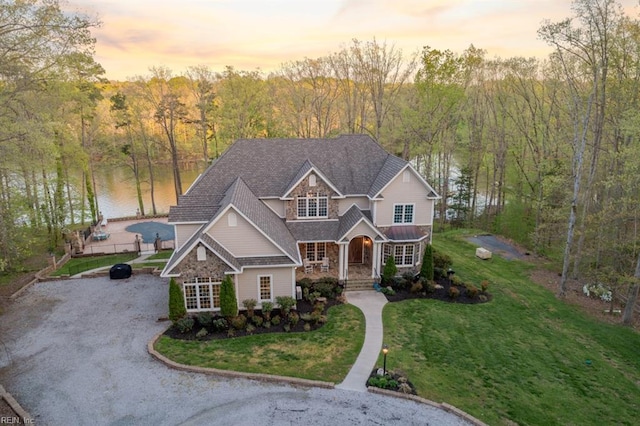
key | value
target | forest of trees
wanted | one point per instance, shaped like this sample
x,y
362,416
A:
x,y
543,151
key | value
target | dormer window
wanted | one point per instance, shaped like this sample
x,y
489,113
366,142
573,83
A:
x,y
312,180
314,205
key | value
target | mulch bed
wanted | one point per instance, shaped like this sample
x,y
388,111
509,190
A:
x,y
303,307
442,292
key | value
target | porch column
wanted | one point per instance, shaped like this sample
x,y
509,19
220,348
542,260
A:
x,y
374,259
341,262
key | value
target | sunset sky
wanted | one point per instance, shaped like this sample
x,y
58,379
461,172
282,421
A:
x,y
251,34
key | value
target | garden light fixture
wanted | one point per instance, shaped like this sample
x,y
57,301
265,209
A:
x,y
385,350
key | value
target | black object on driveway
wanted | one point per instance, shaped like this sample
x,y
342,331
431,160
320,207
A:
x,y
120,271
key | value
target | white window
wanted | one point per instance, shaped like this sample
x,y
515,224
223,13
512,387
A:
x,y
201,294
402,213
312,206
403,254
265,288
312,180
316,251
406,176
201,253
232,219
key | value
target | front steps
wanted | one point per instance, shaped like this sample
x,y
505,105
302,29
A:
x,y
359,285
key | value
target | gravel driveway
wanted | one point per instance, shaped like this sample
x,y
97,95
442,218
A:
x,y
74,352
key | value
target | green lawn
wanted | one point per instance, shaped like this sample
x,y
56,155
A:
x,y
521,357
325,354
77,265
164,254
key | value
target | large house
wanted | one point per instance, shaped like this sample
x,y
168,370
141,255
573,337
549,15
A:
x,y
269,210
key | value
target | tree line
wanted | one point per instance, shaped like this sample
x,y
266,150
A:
x,y
543,151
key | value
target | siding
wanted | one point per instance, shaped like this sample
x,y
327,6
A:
x,y
243,240
346,203
184,232
361,229
399,192
276,205
282,283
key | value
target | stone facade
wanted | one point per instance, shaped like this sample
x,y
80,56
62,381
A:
x,y
191,267
303,189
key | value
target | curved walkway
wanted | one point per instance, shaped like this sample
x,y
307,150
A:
x,y
371,304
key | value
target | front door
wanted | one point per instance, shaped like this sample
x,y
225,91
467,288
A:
x,y
355,250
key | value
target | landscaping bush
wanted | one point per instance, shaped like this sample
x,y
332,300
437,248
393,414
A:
x,y
390,270
239,322
250,328
276,320
382,382
388,291
267,307
472,290
228,301
416,287
205,318
305,283
326,287
257,320
249,305
201,333
177,309
294,318
454,292
220,324
285,303
441,260
426,269
185,324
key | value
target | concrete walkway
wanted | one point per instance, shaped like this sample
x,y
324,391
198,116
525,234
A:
x,y
371,304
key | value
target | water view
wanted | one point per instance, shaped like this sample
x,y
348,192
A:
x,y
116,189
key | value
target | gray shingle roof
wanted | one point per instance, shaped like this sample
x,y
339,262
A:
x,y
324,230
268,166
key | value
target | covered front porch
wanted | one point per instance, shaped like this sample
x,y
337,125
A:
x,y
355,259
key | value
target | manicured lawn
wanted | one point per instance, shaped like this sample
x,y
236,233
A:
x,y
521,357
325,354
164,254
82,264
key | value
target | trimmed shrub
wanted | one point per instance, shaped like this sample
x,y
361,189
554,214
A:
x,y
250,328
454,292
185,324
177,309
285,303
201,333
228,301
426,269
239,322
416,287
305,283
205,318
276,320
267,307
472,290
257,320
441,260
249,305
294,318
390,270
220,324
326,288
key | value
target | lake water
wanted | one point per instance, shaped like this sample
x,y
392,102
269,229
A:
x,y
116,189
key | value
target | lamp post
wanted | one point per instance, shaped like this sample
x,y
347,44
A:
x,y
450,273
385,350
